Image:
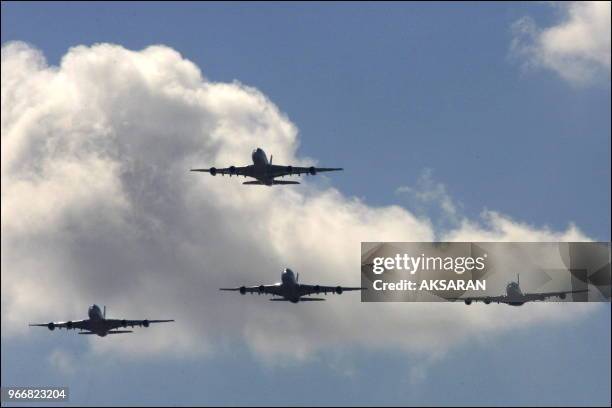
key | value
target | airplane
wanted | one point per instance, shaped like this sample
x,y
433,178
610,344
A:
x,y
264,172
290,290
99,324
515,297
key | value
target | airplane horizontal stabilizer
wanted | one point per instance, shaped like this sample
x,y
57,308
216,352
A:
x,y
120,331
86,332
285,182
253,183
309,299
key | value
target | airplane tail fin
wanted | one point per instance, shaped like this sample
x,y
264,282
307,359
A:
x,y
104,314
271,156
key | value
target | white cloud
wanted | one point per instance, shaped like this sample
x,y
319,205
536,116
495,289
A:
x,y
577,48
427,193
98,205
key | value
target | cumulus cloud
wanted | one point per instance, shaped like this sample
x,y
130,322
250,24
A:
x,y
98,205
577,48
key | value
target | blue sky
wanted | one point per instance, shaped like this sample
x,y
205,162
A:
x,y
399,88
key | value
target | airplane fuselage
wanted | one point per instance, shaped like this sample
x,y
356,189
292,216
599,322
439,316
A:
x,y
514,294
97,322
259,158
261,166
289,286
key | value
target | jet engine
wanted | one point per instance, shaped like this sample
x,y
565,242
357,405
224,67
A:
x,y
213,171
487,301
51,326
468,302
232,170
317,289
145,323
69,325
123,323
312,171
289,169
562,296
261,289
242,290
339,290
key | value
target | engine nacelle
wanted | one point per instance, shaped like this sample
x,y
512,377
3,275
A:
x,y
51,326
289,169
213,171
261,289
562,296
124,323
339,290
145,323
317,289
242,290
232,170
69,325
312,171
468,302
487,301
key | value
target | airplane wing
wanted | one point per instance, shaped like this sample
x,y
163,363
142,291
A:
x,y
527,297
246,171
546,295
260,290
280,171
115,323
317,289
69,325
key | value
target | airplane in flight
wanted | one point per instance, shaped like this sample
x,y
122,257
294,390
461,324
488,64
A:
x,y
290,290
515,297
99,324
264,172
